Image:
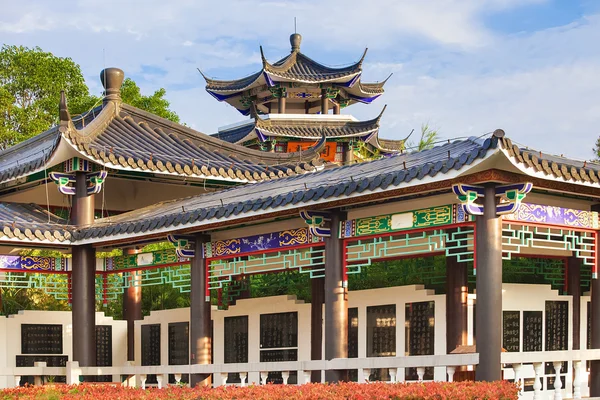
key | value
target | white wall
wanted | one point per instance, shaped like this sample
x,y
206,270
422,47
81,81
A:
x,y
10,335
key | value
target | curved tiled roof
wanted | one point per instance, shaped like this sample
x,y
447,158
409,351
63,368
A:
x,y
298,67
123,137
30,222
310,128
553,166
293,193
383,174
28,156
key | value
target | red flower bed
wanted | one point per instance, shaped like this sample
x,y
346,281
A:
x,y
354,391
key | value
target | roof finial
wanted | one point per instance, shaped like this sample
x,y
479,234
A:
x,y
499,133
112,79
295,40
63,110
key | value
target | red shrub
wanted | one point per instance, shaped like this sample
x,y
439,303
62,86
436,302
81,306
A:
x,y
349,391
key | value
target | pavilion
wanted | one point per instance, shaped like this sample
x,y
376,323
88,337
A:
x,y
120,178
289,103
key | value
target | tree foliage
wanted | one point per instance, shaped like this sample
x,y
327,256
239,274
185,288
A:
x,y
30,84
155,103
427,140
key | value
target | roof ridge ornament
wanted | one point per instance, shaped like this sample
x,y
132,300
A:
x,y
295,41
363,57
63,110
112,80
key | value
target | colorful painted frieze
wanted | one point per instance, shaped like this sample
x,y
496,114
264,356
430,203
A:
x,y
543,214
416,219
264,242
33,263
132,261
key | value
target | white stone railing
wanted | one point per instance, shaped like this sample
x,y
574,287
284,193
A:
x,y
396,366
577,358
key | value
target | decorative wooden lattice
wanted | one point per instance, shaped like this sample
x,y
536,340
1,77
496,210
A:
x,y
456,243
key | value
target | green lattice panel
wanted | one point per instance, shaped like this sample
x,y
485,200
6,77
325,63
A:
x,y
308,260
109,291
456,243
56,285
516,237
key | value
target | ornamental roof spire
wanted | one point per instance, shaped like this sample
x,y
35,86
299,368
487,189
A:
x,y
295,40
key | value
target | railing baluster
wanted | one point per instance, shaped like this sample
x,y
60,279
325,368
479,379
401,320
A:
x,y
224,376
177,378
243,377
263,377
450,371
421,373
577,380
17,381
393,374
366,374
537,385
285,375
517,370
159,381
143,380
306,375
557,381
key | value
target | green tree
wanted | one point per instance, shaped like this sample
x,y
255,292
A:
x,y
596,149
427,140
155,104
30,84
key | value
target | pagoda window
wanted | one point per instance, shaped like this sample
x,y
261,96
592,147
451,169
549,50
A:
x,y
281,148
339,152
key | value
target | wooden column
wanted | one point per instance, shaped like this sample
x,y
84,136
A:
x,y
348,153
83,279
132,306
595,322
336,108
456,304
336,300
317,292
489,289
281,104
200,313
574,290
324,102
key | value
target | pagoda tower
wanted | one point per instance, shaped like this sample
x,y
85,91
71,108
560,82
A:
x,y
293,102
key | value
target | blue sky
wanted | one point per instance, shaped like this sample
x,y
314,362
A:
x,y
465,67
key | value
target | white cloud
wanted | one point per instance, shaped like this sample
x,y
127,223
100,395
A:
x,y
449,69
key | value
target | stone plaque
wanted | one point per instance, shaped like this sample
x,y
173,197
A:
x,y
41,339
381,336
279,330
179,347
151,348
511,329
419,334
104,350
532,331
104,345
236,343
557,325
